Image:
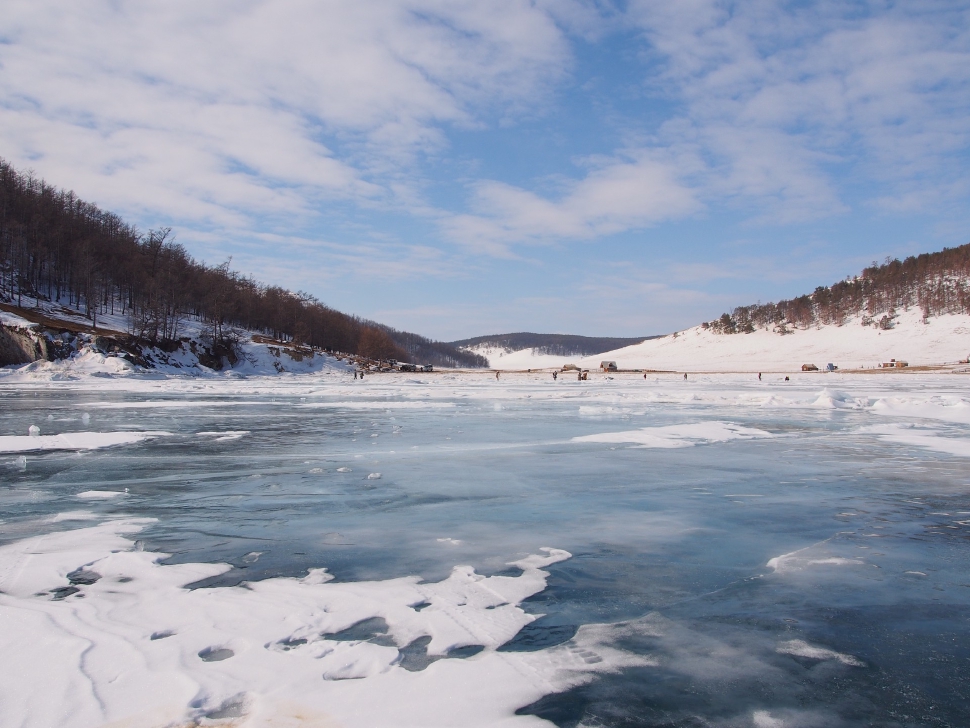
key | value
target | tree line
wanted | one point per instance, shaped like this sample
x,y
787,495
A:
x,y
58,247
936,283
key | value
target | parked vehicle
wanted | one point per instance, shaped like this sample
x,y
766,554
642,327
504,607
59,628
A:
x,y
427,368
409,368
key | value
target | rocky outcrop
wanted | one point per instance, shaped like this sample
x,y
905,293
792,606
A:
x,y
19,346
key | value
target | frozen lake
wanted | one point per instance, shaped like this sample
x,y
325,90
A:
x,y
720,551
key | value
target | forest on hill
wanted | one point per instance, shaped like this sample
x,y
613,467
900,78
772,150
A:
x,y
61,248
552,344
936,283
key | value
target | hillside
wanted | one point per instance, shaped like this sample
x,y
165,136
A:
x,y
916,310
57,249
935,283
938,340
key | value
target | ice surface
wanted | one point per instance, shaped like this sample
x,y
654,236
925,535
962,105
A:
x,y
745,552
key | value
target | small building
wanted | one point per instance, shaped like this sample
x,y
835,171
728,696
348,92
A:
x,y
809,368
570,368
608,366
830,367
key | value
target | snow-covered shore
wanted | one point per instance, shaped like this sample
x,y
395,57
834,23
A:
x,y
82,350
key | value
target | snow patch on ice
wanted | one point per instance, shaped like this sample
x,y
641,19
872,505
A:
x,y
763,719
73,440
377,405
73,516
934,407
225,434
674,436
800,648
806,557
123,640
926,437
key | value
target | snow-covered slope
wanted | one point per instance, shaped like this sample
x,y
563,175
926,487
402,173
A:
x,y
499,358
943,339
84,351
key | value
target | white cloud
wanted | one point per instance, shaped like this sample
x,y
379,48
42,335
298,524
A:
x,y
617,194
777,110
281,131
218,112
785,101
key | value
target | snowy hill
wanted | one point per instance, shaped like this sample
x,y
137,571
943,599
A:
x,y
941,339
915,310
501,358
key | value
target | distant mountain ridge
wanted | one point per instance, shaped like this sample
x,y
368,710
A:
x,y
550,344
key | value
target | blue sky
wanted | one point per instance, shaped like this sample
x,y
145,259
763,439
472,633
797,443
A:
x,y
462,168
